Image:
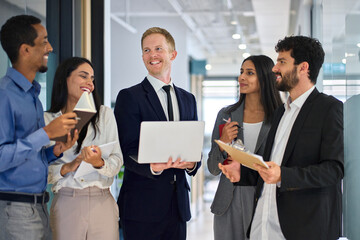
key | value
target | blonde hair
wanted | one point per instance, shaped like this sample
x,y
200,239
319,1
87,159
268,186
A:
x,y
169,39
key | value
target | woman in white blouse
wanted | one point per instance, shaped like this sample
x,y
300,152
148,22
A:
x,y
83,207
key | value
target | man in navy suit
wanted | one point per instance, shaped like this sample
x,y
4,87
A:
x,y
154,198
299,195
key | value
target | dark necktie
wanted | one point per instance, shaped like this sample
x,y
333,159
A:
x,y
169,102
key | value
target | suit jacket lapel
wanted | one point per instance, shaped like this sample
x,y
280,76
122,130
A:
x,y
298,124
238,116
153,100
265,127
180,102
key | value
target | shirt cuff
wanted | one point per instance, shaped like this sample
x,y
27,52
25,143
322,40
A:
x,y
191,170
155,173
50,154
38,139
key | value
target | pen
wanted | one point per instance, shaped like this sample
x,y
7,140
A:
x,y
77,118
230,122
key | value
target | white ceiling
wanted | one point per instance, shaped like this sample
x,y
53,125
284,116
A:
x,y
261,22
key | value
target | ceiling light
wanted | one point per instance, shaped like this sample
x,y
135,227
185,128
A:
x,y
208,67
343,61
236,36
349,55
234,20
242,46
248,14
246,55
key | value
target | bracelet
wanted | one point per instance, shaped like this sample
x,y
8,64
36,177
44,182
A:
x,y
102,165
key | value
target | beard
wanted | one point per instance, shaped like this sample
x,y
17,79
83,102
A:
x,y
43,69
288,81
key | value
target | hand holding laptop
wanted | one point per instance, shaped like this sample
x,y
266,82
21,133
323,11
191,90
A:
x,y
158,167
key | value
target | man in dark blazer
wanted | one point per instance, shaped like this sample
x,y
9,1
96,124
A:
x,y
299,196
154,198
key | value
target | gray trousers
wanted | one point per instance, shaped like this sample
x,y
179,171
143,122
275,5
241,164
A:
x,y
19,221
233,224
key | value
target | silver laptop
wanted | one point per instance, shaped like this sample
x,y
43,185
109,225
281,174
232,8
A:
x,y
161,140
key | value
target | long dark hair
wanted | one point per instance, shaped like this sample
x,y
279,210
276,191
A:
x,y
59,94
269,95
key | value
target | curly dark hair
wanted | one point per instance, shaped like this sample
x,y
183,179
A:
x,y
304,49
16,31
269,95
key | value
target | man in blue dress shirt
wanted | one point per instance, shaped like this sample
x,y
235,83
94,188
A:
x,y
24,159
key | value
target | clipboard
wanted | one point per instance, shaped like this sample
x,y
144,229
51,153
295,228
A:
x,y
160,140
246,159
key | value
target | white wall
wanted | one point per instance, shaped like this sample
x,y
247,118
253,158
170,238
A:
x,y
127,67
224,69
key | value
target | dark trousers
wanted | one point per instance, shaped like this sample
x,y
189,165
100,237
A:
x,y
171,228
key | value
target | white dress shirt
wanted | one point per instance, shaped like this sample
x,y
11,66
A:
x,y
101,178
157,85
266,223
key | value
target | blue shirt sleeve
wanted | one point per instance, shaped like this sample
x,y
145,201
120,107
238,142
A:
x,y
50,154
13,150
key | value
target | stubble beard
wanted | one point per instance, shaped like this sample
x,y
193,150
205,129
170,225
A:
x,y
288,81
43,69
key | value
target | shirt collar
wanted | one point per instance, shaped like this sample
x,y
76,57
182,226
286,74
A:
x,y
158,84
298,102
22,81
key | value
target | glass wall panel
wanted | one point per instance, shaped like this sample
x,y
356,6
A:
x,y
217,92
352,127
341,74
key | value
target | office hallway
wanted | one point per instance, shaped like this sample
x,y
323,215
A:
x,y
201,227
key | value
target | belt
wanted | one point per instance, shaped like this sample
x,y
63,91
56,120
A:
x,y
28,198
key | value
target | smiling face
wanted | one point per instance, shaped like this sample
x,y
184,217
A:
x,y
41,49
248,80
158,56
79,81
286,72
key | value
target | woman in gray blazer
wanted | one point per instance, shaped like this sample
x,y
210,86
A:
x,y
248,119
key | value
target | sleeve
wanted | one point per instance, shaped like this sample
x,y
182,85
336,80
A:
x,y
14,151
50,156
54,172
329,168
193,171
128,119
113,163
54,168
215,155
